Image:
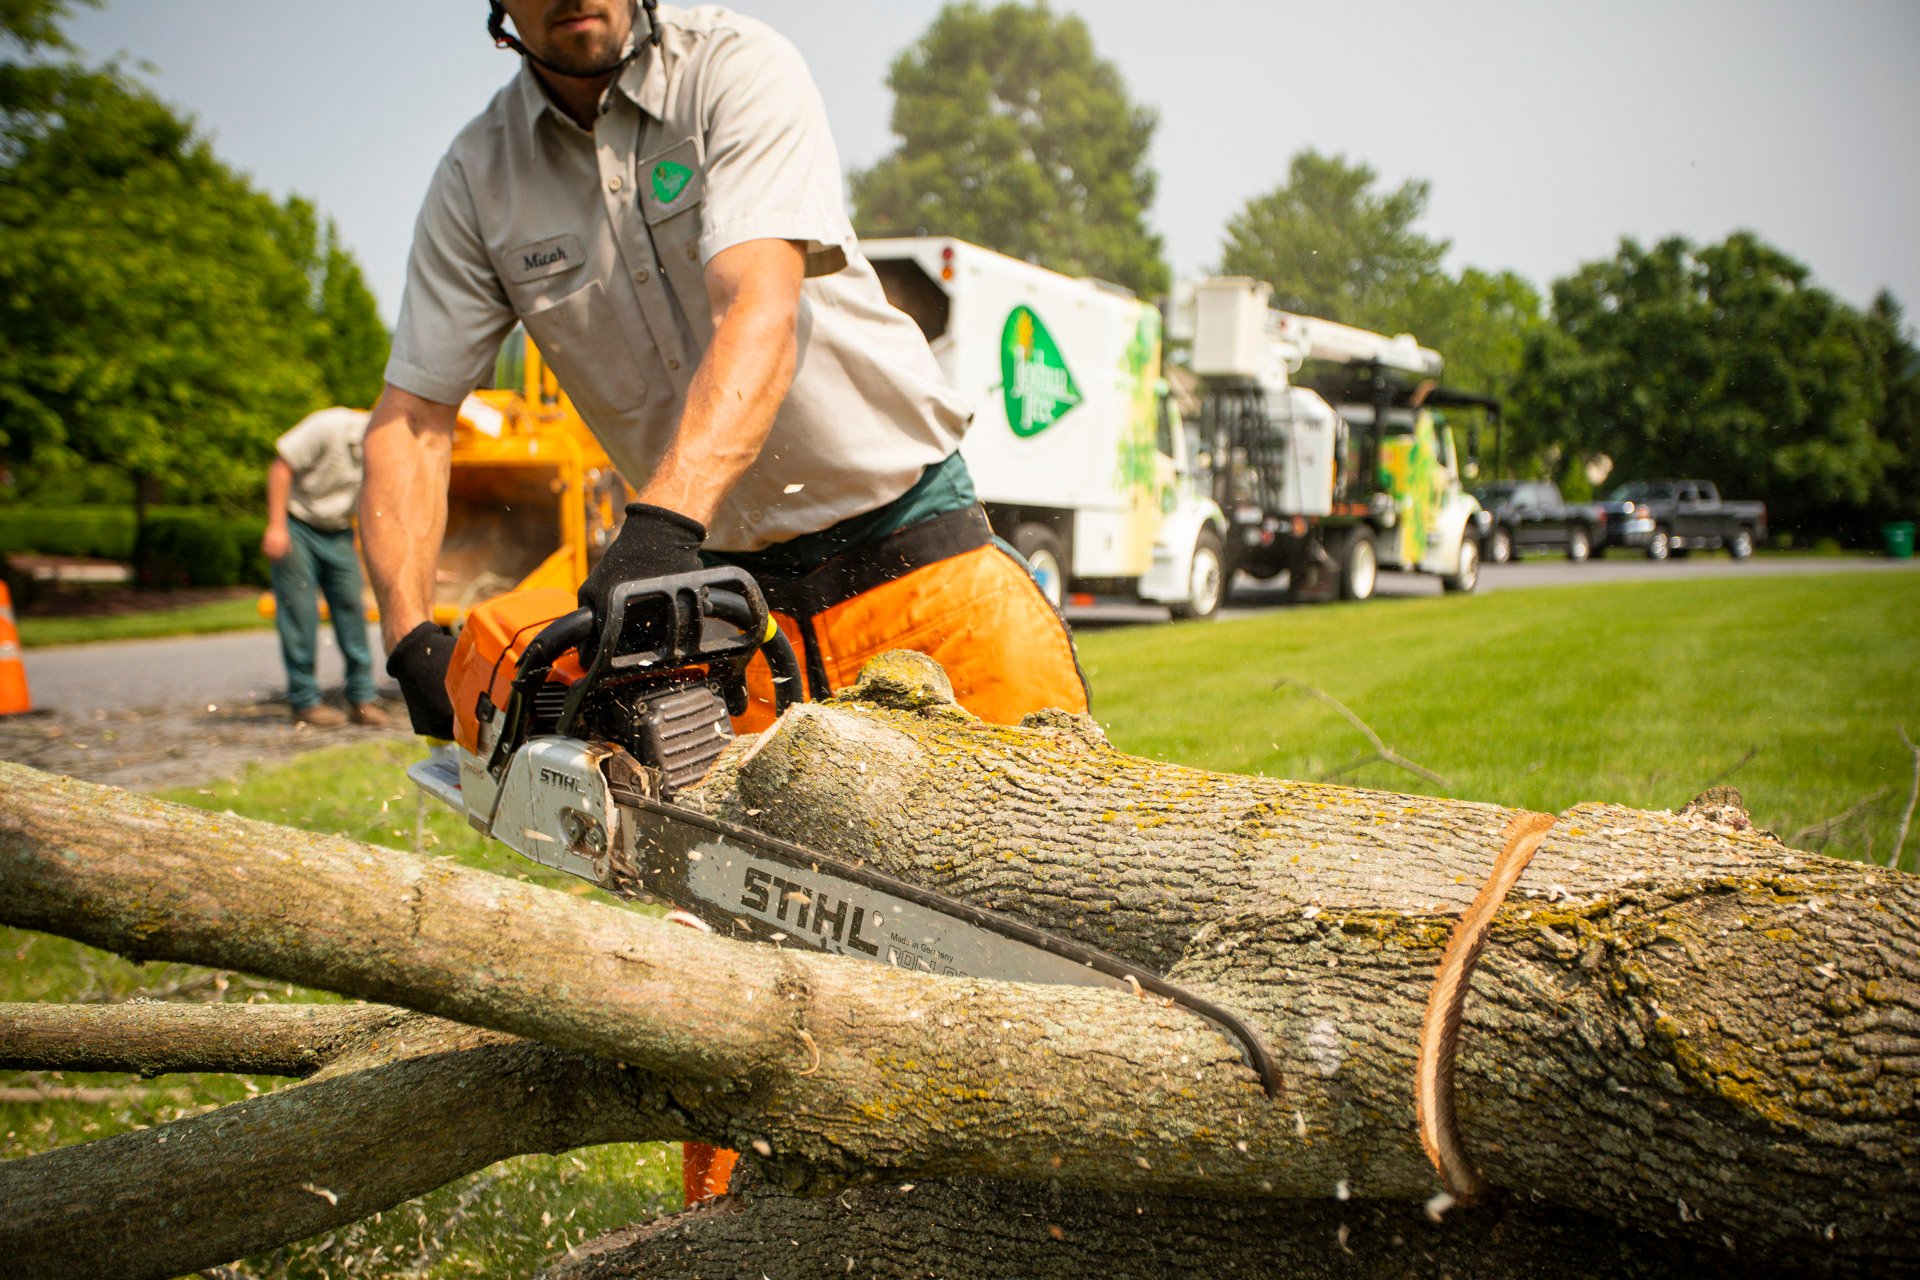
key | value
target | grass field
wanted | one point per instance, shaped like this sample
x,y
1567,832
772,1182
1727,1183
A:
x,y
1641,693
199,619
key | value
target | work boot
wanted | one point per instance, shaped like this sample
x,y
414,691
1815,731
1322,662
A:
x,y
319,716
369,714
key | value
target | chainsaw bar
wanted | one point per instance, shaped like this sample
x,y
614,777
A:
x,y
769,890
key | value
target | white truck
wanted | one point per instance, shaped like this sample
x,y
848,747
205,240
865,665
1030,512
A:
x,y
1332,482
1076,449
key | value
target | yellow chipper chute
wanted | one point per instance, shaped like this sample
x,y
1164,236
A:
x,y
533,500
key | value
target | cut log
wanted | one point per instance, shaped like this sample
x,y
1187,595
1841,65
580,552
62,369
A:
x,y
1677,1024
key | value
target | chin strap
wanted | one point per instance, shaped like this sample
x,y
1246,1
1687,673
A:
x,y
504,39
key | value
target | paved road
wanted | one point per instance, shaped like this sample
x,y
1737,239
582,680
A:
x,y
235,670
244,668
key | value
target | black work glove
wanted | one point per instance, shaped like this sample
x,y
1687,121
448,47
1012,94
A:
x,y
419,663
653,543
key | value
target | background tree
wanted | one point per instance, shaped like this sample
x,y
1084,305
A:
x,y
1723,361
1898,494
162,319
1332,245
1014,133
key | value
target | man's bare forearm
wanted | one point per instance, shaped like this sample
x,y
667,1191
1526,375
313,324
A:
x,y
279,490
741,383
403,506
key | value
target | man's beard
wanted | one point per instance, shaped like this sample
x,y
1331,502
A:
x,y
602,56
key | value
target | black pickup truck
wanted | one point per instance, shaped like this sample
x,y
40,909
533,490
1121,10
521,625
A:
x,y
1675,517
1529,515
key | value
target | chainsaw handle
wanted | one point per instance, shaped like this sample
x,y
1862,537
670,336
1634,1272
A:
x,y
735,610
569,631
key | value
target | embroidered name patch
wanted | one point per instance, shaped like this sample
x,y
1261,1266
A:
x,y
544,258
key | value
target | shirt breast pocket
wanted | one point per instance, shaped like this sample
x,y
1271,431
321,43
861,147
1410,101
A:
x,y
580,337
673,198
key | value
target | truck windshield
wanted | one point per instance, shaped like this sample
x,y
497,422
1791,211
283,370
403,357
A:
x,y
1640,491
1492,493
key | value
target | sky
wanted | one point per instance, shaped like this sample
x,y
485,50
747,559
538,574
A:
x,y
1548,130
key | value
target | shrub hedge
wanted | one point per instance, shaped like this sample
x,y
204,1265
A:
x,y
200,549
181,546
97,533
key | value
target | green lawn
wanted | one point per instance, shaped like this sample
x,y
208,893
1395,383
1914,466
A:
x,y
241,614
1641,693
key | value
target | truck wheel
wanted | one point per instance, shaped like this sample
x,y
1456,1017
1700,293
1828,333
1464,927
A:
x,y
1660,545
1740,545
1500,545
1579,546
1465,580
1359,567
1040,548
1206,579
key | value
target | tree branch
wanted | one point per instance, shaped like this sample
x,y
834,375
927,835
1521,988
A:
x,y
153,1039
1913,798
410,1106
1381,751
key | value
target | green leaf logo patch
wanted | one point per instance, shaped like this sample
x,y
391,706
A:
x,y
1034,377
669,180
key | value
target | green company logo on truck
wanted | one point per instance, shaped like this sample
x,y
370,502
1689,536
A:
x,y
1038,387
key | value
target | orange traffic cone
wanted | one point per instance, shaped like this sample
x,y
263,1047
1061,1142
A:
x,y
705,1172
13,672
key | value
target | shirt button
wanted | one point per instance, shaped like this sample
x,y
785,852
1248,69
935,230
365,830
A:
x,y
642,276
755,517
673,364
693,253
615,183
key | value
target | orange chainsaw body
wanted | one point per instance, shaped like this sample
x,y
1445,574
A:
x,y
487,656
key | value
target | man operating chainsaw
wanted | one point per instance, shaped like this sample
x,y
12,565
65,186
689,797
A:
x,y
657,198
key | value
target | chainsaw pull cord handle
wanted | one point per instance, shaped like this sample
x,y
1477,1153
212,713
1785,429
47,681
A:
x,y
733,608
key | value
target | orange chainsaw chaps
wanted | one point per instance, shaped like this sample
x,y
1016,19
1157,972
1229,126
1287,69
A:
x,y
487,655
980,615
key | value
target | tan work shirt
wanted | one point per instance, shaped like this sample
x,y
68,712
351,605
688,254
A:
x,y
597,241
324,451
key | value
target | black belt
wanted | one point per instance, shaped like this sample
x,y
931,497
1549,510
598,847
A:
x,y
861,568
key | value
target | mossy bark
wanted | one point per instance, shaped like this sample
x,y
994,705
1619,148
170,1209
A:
x,y
1678,1025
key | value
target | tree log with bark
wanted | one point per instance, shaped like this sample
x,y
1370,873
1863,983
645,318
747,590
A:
x,y
1685,1048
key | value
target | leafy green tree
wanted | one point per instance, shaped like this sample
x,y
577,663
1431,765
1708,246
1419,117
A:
x,y
1898,495
1334,246
1723,361
159,317
1014,133
36,24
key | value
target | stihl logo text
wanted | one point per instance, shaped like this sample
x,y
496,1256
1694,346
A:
x,y
801,908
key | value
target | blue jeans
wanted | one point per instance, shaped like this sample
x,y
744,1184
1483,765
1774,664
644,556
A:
x,y
323,563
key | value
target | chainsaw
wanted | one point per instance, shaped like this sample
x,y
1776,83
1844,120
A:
x,y
574,734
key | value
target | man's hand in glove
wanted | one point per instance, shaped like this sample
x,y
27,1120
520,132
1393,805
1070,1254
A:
x,y
419,664
653,543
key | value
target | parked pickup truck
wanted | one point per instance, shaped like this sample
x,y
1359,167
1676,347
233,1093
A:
x,y
1675,517
1529,515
